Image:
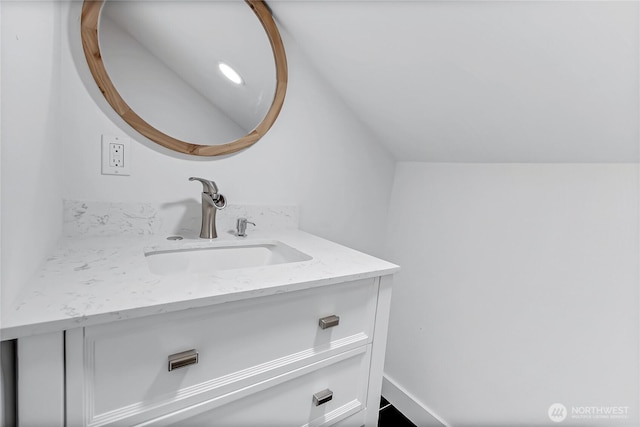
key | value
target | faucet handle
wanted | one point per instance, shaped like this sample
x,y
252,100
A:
x,y
209,187
241,227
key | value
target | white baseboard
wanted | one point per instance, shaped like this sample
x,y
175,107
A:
x,y
417,412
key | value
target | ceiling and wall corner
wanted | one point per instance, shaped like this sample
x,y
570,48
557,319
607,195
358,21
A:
x,y
514,271
513,274
481,81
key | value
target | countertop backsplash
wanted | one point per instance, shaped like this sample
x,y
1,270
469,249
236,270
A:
x,y
91,218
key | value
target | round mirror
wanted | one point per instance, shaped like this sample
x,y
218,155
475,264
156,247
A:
x,y
199,77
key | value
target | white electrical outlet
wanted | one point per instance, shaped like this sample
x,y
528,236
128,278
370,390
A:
x,y
116,155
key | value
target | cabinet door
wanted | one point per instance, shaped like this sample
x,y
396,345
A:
x,y
338,383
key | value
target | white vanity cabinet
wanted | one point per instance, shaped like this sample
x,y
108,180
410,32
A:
x,y
309,357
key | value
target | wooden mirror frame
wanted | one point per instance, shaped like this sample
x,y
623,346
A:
x,y
89,33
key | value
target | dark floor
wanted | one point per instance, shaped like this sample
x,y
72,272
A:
x,y
391,417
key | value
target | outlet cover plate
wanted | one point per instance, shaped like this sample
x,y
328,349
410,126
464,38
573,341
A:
x,y
122,155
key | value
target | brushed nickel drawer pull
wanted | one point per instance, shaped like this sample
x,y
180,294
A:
x,y
322,397
329,321
180,360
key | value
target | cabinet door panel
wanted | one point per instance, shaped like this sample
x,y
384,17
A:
x,y
124,369
291,403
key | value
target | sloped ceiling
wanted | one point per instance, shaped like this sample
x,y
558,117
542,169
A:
x,y
481,81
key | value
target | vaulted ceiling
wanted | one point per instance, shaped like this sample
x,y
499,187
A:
x,y
481,81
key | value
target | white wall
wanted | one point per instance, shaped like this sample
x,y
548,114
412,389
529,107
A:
x,y
32,156
3,354
518,289
317,155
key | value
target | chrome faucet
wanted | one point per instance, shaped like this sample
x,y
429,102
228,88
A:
x,y
241,227
211,202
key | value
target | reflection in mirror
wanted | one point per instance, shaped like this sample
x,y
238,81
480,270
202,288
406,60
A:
x,y
159,64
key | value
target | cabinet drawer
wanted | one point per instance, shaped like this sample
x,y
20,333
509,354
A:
x,y
290,402
124,372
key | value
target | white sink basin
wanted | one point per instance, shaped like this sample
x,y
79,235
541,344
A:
x,y
221,257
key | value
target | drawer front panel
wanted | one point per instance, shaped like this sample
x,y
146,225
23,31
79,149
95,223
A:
x,y
126,363
292,403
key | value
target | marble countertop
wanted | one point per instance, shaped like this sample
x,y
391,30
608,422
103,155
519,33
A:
x,y
94,280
